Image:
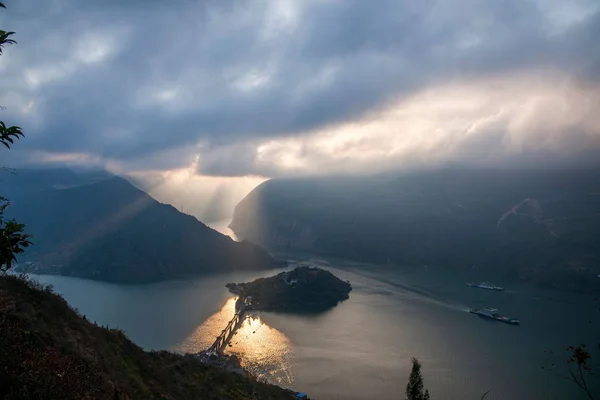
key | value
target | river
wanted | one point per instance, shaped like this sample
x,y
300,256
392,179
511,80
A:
x,y
361,349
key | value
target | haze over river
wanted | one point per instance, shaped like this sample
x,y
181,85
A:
x,y
361,349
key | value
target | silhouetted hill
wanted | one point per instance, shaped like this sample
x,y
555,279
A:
x,y
534,225
22,182
50,352
109,230
302,289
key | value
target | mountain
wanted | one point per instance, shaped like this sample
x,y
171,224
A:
x,y
51,352
22,182
523,224
107,229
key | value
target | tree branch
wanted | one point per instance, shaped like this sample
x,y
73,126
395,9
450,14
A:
x,y
584,383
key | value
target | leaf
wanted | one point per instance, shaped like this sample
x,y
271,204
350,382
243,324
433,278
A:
x,y
8,135
5,39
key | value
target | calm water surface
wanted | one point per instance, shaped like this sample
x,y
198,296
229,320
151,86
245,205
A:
x,y
361,349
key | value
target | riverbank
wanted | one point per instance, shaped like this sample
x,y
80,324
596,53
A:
x,y
49,351
362,348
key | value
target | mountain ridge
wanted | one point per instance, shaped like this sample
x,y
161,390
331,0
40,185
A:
x,y
111,230
447,218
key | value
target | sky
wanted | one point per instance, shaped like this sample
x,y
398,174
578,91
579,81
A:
x,y
216,96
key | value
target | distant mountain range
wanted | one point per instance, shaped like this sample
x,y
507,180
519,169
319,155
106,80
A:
x,y
542,226
99,226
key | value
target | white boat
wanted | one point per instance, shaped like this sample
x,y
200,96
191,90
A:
x,y
492,313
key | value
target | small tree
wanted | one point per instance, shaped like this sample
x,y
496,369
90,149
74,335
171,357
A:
x,y
13,240
415,389
581,369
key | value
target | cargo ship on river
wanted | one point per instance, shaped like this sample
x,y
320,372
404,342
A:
x,y
492,313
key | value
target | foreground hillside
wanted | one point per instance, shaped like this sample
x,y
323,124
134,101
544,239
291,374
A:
x,y
533,225
50,352
107,229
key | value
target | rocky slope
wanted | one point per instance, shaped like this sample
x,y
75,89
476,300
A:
x,y
50,352
533,225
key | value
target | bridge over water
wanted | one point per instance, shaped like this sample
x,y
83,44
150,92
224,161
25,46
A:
x,y
241,306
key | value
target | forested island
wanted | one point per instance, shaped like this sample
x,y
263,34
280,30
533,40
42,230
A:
x,y
304,289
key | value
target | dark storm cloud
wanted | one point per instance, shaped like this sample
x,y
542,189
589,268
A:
x,y
126,80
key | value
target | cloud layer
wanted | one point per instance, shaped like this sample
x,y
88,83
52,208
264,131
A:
x,y
292,87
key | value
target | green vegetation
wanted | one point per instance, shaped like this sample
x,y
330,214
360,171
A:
x,y
303,289
13,239
51,352
415,389
8,134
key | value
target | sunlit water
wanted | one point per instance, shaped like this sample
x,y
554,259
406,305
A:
x,y
265,352
361,349
222,226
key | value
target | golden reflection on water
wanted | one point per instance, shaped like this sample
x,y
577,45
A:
x,y
264,351
206,333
